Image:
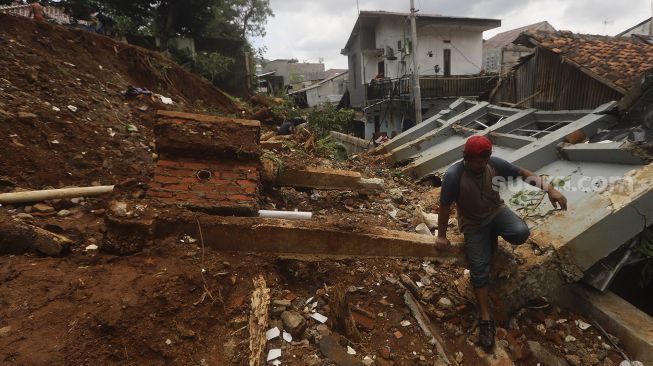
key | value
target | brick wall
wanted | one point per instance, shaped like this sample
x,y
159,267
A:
x,y
204,174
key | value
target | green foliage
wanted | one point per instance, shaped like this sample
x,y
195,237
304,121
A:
x,y
209,65
330,148
286,110
326,118
527,201
644,249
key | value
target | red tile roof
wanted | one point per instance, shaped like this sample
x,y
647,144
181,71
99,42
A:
x,y
617,61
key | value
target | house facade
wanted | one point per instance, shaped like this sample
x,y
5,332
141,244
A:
x,y
500,54
294,72
643,28
329,90
380,55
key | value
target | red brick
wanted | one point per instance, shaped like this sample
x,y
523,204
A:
x,y
215,196
232,188
159,194
166,179
189,180
167,163
176,172
229,175
239,197
195,165
246,183
187,195
176,187
217,181
253,175
204,187
154,185
250,189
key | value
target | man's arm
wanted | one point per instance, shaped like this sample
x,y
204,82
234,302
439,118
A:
x,y
555,196
441,240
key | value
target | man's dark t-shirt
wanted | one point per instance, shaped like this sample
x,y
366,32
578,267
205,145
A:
x,y
477,199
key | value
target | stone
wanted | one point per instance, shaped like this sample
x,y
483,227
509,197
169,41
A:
x,y
549,323
396,195
42,208
544,355
331,349
4,331
398,334
24,216
445,303
284,303
384,352
64,213
574,360
26,115
294,323
323,330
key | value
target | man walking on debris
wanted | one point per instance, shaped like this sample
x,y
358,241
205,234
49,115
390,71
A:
x,y
473,185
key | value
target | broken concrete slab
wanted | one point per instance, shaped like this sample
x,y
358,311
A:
x,y
301,237
319,178
18,237
187,134
633,327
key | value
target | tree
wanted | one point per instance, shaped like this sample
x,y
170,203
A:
x,y
252,16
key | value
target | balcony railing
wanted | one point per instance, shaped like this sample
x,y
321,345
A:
x,y
431,87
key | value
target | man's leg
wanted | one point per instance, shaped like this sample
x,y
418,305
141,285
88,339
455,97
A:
x,y
478,249
511,227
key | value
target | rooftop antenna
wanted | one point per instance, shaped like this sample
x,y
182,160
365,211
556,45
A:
x,y
605,24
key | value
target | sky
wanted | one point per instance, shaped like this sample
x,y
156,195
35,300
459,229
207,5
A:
x,y
311,30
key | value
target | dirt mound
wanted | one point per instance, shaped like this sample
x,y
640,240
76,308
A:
x,y
63,119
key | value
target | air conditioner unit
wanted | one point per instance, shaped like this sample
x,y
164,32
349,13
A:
x,y
390,53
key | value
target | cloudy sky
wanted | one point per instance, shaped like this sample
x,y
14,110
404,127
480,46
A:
x,y
312,29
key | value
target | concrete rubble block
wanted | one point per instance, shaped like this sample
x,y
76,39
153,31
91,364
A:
x,y
290,237
18,237
294,323
185,134
332,350
326,179
545,356
631,326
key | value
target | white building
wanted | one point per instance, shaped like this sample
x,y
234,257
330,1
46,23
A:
x,y
643,28
329,90
380,44
499,52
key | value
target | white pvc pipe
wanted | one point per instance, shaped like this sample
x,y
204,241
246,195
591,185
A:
x,y
288,215
50,194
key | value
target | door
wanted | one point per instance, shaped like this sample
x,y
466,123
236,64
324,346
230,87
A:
x,y
381,69
447,62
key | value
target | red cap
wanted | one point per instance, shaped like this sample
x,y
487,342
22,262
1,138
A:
x,y
476,145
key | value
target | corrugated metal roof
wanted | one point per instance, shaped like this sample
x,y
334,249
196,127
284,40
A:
x,y
505,38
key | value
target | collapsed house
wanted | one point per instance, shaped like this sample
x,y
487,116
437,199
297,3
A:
x,y
572,71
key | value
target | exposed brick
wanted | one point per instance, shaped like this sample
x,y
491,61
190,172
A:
x,y
216,196
176,187
178,172
204,187
250,189
187,195
240,197
195,165
244,183
229,175
166,179
190,180
232,188
218,181
154,185
253,175
159,194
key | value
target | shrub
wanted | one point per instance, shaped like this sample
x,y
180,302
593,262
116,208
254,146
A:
x,y
326,118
